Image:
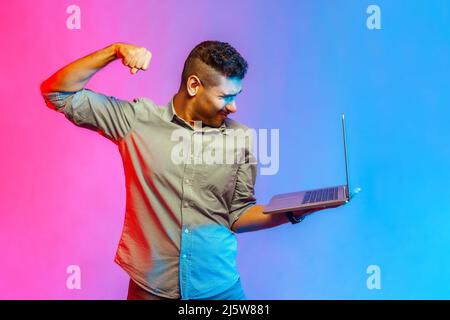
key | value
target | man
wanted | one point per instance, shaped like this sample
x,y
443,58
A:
x,y
178,239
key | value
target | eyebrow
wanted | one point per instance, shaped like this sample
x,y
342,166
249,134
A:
x,y
230,94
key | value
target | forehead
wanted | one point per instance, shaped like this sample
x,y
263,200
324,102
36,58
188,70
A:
x,y
228,86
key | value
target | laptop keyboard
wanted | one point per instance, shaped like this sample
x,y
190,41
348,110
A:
x,y
321,195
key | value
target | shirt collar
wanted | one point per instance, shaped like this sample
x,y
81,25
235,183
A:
x,y
170,114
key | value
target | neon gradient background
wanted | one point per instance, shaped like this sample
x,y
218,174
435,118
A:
x,y
62,187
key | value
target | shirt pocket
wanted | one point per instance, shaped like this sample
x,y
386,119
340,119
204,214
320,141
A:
x,y
219,179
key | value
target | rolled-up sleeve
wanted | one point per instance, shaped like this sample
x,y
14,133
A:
x,y
244,193
111,117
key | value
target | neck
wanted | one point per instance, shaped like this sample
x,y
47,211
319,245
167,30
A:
x,y
184,108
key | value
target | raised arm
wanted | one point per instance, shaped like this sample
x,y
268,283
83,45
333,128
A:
x,y
75,75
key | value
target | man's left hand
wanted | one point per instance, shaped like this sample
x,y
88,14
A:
x,y
304,213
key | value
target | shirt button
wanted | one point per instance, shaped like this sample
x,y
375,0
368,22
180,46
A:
x,y
186,204
187,181
186,230
184,256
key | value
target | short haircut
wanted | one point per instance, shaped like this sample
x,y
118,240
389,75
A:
x,y
210,58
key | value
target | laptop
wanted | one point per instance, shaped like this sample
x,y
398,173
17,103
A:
x,y
311,199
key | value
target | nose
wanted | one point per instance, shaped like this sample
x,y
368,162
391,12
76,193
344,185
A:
x,y
231,107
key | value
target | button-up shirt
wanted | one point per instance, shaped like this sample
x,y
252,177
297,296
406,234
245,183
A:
x,y
176,240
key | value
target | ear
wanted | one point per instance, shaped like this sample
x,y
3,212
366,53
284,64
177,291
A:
x,y
193,85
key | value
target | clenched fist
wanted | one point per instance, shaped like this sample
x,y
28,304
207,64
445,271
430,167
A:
x,y
134,57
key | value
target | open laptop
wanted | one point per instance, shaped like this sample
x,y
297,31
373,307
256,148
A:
x,y
310,199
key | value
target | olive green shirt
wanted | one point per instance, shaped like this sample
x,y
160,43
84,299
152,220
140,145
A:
x,y
176,240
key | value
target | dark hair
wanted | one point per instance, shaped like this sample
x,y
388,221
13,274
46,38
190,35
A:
x,y
220,56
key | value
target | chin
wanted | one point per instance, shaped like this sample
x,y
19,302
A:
x,y
215,123
220,122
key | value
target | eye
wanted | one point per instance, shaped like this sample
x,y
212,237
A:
x,y
227,98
